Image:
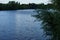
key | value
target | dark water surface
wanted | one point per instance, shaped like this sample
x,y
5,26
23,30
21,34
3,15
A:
x,y
19,25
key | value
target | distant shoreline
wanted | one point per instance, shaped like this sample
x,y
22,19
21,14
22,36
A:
x,y
12,5
17,9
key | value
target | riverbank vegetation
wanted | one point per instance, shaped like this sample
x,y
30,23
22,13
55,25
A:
x,y
51,20
12,5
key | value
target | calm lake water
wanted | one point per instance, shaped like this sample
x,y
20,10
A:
x,y
20,25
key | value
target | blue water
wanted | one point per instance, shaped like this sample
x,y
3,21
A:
x,y
20,25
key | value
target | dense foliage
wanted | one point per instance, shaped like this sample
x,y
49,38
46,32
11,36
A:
x,y
51,23
51,20
56,4
12,5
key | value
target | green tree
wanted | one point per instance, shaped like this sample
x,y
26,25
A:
x,y
51,20
56,3
51,23
13,5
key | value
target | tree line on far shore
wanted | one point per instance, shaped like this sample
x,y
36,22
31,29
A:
x,y
12,5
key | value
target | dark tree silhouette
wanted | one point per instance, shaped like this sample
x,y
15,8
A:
x,y
12,5
51,19
56,4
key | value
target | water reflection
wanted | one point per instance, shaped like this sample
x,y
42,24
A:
x,y
19,25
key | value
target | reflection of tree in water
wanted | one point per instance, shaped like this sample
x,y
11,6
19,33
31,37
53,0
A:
x,y
51,22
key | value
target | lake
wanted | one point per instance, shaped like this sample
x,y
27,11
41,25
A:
x,y
20,25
